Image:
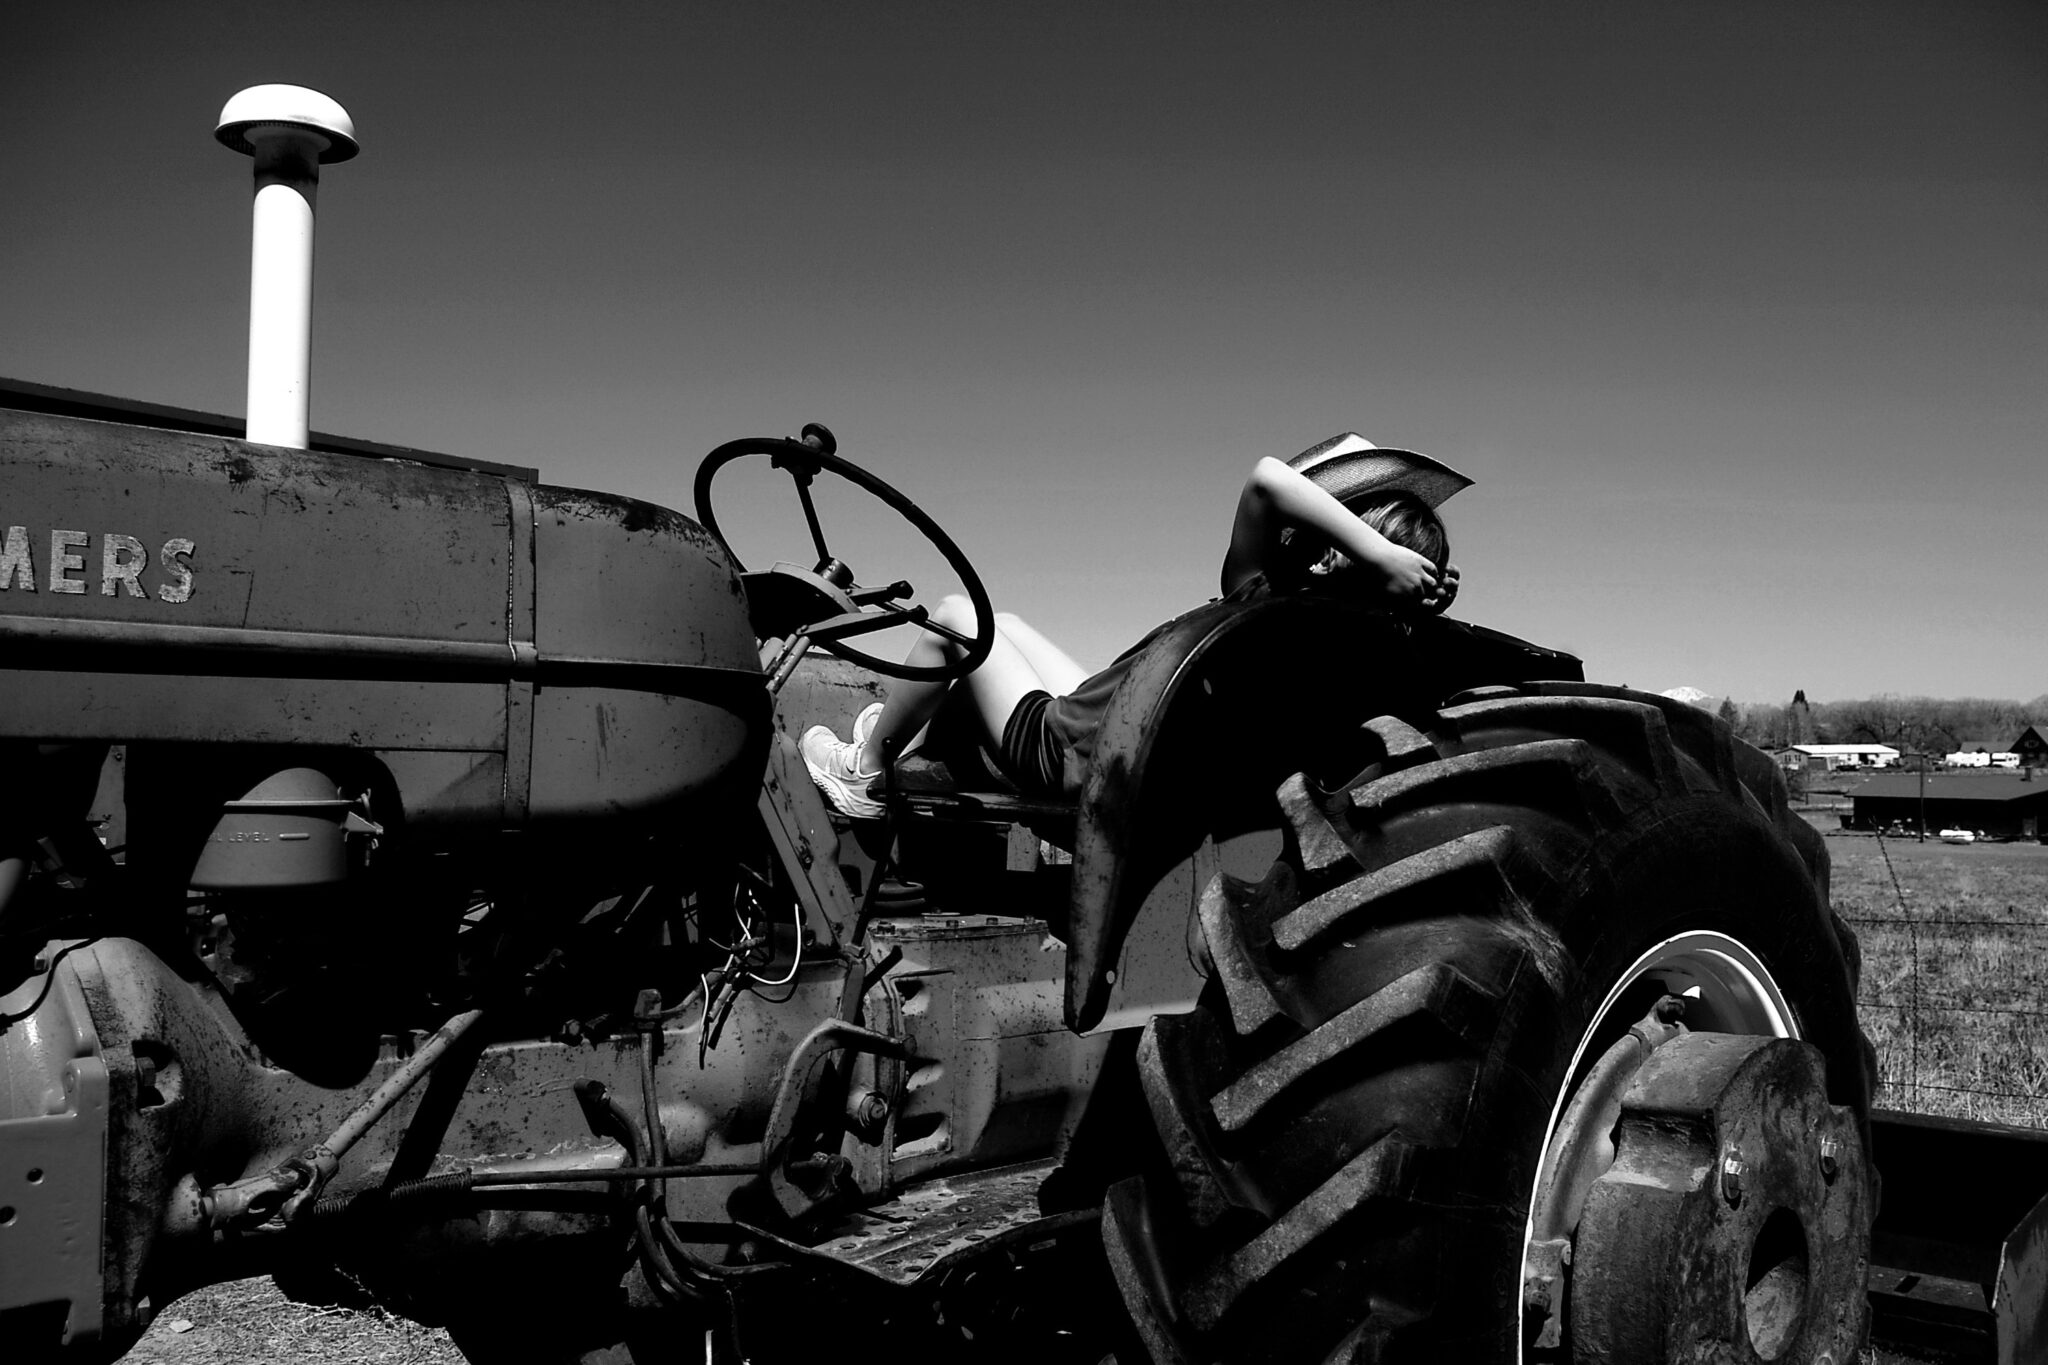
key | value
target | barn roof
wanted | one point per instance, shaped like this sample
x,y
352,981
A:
x,y
1976,786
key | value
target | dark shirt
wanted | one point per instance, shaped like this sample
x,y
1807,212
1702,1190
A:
x,y
1075,719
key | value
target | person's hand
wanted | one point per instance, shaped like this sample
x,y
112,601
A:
x,y
1446,591
1411,578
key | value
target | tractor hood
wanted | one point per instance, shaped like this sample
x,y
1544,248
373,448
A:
x,y
514,654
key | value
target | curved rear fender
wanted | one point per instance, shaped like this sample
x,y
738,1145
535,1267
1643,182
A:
x,y
1228,702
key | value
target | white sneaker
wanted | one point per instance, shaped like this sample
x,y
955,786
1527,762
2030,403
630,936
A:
x,y
864,723
835,765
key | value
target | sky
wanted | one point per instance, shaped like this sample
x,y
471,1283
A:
x,y
1737,313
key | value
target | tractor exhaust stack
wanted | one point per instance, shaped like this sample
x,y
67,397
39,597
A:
x,y
291,132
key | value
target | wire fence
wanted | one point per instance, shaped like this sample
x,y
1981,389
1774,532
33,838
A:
x,y
1954,991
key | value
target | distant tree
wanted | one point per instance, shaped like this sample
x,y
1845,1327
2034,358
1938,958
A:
x,y
1763,725
1727,712
1873,720
1799,720
1936,725
1977,721
1910,724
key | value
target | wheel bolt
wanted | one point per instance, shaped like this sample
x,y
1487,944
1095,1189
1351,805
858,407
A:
x,y
1731,1175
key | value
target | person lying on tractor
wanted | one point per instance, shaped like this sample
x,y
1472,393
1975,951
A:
x,y
1342,517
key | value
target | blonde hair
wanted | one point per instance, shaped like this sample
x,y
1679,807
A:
x,y
1407,521
1401,517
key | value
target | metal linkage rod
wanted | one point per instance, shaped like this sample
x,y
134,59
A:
x,y
288,1188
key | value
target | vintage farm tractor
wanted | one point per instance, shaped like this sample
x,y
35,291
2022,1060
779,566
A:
x,y
409,887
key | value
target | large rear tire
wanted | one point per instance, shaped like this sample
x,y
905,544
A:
x,y
1354,1119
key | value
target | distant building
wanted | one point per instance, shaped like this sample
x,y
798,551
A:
x,y
2032,748
1980,758
1828,757
2009,805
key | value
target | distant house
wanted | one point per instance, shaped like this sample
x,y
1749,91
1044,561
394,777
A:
x,y
1828,757
2007,804
2032,748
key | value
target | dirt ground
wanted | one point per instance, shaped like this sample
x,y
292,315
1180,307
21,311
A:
x,y
248,1322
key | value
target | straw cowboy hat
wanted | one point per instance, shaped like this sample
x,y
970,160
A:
x,y
1349,467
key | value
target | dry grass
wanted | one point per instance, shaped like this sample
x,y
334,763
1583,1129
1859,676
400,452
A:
x,y
248,1322
1955,972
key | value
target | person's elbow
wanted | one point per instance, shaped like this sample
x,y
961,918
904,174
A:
x,y
1268,477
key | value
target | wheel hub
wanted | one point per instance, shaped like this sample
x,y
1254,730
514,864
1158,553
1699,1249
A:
x,y
1732,1224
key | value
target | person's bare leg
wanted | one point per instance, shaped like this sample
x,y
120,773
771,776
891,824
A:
x,y
1002,680
909,704
1057,672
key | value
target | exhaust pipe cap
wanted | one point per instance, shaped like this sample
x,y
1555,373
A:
x,y
288,106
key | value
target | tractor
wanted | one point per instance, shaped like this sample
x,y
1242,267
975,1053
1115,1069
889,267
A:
x,y
411,889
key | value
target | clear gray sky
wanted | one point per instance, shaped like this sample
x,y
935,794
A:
x,y
1737,313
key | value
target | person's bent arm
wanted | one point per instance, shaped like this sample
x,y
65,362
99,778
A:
x,y
1277,497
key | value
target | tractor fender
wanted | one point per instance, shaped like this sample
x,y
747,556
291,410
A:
x,y
1224,704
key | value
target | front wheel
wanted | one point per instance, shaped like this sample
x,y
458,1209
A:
x,y
1538,1043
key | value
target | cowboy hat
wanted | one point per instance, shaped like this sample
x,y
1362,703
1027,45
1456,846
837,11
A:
x,y
1349,467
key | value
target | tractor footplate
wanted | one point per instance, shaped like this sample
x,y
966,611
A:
x,y
931,1227
1735,1214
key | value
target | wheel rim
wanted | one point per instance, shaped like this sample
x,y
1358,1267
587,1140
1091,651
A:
x,y
1728,989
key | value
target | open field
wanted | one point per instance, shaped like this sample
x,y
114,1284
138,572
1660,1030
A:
x,y
1955,972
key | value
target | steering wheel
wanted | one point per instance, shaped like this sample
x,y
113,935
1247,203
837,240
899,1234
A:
x,y
825,604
